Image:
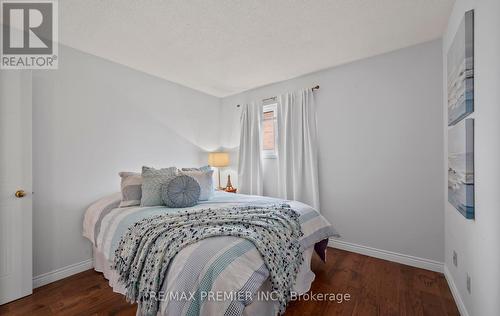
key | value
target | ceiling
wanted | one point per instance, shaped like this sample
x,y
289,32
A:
x,y
223,47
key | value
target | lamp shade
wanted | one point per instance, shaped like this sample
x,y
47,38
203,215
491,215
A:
x,y
218,159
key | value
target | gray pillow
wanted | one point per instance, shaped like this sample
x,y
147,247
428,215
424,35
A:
x,y
205,181
180,191
153,179
131,186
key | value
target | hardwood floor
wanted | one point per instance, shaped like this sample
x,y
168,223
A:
x,y
376,287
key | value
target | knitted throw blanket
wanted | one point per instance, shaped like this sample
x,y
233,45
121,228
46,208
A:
x,y
145,251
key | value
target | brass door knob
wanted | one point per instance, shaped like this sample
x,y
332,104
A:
x,y
20,193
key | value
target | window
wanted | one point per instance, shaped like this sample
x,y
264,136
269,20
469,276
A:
x,y
269,131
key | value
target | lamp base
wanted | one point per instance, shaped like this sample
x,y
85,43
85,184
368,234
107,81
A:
x,y
219,187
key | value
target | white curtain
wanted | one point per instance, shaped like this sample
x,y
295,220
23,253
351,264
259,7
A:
x,y
297,148
250,166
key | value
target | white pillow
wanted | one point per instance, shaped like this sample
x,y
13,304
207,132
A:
x,y
131,188
205,180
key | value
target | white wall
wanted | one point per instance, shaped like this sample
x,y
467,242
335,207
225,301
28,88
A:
x,y
91,119
380,126
477,242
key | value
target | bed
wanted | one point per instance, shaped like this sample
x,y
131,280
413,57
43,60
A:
x,y
201,273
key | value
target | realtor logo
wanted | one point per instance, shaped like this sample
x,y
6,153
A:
x,y
29,34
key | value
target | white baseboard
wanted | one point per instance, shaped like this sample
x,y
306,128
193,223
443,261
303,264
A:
x,y
388,255
62,273
455,293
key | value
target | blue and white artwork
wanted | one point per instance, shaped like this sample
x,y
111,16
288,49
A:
x,y
461,167
460,66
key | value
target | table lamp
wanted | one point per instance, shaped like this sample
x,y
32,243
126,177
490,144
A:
x,y
219,160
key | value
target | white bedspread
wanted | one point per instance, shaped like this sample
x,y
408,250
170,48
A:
x,y
216,264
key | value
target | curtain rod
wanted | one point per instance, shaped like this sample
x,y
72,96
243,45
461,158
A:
x,y
316,87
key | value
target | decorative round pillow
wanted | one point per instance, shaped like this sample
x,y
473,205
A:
x,y
180,191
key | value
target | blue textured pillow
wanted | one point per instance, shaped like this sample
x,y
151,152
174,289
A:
x,y
180,191
152,181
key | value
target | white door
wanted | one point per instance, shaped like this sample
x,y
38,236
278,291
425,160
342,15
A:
x,y
16,275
